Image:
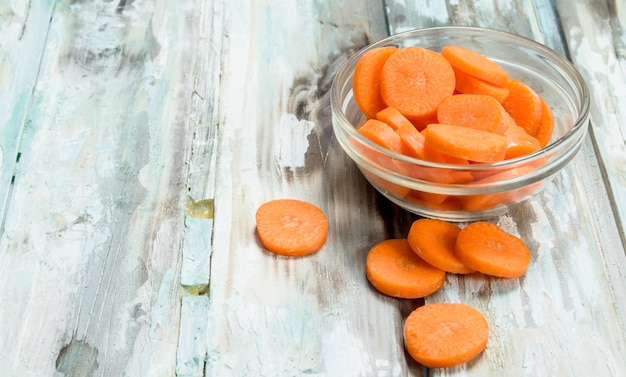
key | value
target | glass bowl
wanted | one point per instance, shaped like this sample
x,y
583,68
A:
x,y
475,191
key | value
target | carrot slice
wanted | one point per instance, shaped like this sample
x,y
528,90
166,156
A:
x,y
433,240
414,80
478,111
421,122
546,125
395,270
466,143
519,143
366,80
475,64
412,139
393,117
487,248
443,335
291,227
487,201
382,134
466,84
439,202
524,106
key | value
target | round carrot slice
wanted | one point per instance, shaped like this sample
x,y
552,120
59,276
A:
x,y
487,248
475,64
433,240
414,80
395,270
478,111
382,134
466,143
291,227
445,334
412,140
366,80
524,106
546,126
393,118
471,85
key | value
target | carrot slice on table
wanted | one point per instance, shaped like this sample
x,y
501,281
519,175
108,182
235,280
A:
x,y
487,248
366,80
466,143
478,111
546,125
443,335
414,80
433,240
524,106
395,270
475,64
382,134
468,84
291,227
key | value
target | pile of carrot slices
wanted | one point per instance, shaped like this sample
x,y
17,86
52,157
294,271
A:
x,y
444,335
436,335
455,106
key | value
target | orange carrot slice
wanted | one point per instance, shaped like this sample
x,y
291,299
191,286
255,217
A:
x,y
382,134
395,270
475,64
487,248
421,122
524,106
414,80
291,227
438,202
433,240
393,117
487,201
466,143
412,139
468,84
443,335
478,111
546,125
519,143
366,80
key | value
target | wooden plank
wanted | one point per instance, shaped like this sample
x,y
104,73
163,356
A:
x,y
90,255
596,40
573,288
193,333
315,315
23,33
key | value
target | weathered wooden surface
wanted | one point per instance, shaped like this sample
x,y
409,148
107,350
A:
x,y
137,139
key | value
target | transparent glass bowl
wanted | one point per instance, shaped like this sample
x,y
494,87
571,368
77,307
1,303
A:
x,y
477,191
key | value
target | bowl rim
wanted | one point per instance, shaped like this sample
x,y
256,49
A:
x,y
566,68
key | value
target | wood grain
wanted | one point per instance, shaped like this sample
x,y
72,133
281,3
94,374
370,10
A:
x,y
91,246
137,139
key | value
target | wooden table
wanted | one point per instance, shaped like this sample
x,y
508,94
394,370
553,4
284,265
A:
x,y
139,137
